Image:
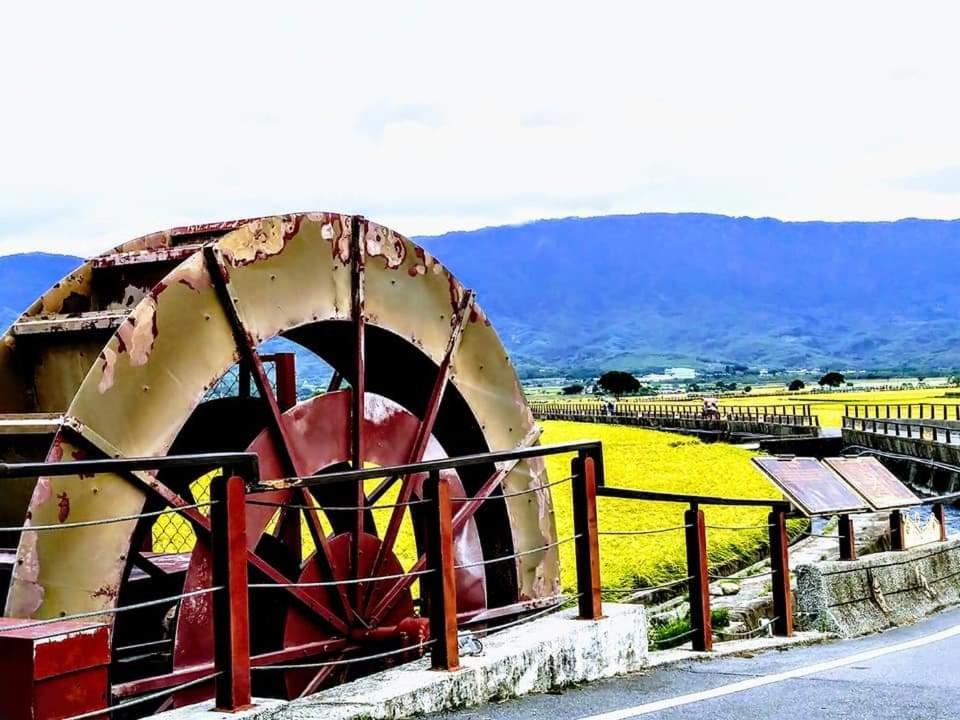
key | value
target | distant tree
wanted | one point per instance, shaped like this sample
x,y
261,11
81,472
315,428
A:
x,y
747,388
797,384
920,379
574,389
694,387
832,378
954,380
618,383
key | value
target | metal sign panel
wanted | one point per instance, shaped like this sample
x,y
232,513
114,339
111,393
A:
x,y
810,486
873,482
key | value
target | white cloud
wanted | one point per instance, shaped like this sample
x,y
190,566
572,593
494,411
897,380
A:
x,y
120,118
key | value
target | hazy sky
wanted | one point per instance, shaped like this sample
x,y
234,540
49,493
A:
x,y
119,118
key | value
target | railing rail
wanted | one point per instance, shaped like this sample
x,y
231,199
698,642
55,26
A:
x,y
904,411
926,430
698,573
794,415
239,485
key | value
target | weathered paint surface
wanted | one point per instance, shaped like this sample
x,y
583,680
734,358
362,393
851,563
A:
x,y
284,272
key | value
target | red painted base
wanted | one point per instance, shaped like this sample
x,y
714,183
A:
x,y
53,671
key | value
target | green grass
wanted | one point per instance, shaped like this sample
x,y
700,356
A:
x,y
677,631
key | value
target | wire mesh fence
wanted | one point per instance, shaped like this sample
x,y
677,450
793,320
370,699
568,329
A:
x,y
171,533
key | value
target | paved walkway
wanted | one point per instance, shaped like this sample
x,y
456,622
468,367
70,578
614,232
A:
x,y
905,673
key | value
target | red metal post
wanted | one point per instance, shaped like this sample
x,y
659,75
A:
x,y
584,485
696,536
941,519
848,540
231,610
358,380
286,374
780,565
441,582
897,540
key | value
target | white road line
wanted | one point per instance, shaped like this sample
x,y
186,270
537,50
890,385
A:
x,y
749,684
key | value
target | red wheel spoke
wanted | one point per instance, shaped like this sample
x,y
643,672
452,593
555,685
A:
x,y
320,678
424,431
288,532
382,489
336,380
201,524
323,551
468,508
359,378
251,358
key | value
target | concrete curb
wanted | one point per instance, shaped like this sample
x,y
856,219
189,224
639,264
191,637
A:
x,y
672,656
545,654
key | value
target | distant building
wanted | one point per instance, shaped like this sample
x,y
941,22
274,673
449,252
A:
x,y
676,374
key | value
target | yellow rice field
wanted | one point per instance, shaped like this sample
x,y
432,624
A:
x,y
638,458
633,457
827,406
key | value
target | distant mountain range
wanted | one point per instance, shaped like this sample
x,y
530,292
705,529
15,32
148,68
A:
x,y
639,292
25,276
643,292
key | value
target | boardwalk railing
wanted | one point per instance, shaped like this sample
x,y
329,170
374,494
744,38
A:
x,y
904,429
909,411
698,572
795,415
374,592
239,486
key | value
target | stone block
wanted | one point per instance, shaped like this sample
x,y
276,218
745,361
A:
x,y
879,591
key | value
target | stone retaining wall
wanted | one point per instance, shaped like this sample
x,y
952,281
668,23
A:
x,y
543,655
879,590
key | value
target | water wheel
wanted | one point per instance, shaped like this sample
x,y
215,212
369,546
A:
x,y
125,357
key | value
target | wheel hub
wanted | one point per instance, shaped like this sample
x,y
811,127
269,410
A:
x,y
317,429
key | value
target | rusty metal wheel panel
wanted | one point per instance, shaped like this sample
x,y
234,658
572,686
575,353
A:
x,y
284,275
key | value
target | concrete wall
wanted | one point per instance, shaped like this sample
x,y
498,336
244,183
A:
x,y
542,655
879,590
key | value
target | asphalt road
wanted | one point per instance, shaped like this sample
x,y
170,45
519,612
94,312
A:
x,y
909,672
